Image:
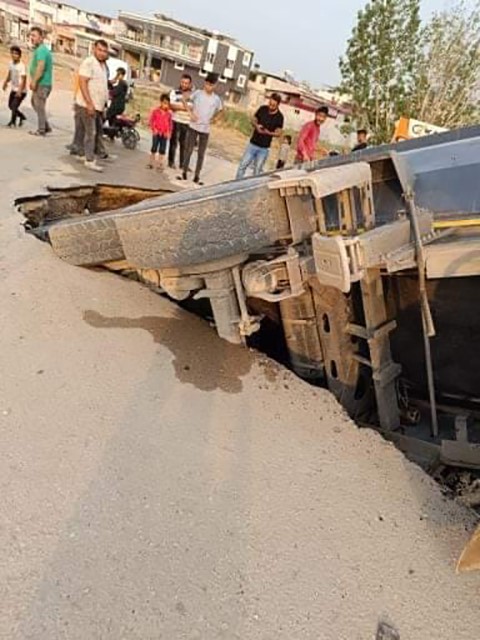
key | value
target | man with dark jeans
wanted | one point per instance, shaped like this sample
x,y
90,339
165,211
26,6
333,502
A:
x,y
179,102
206,106
268,124
41,80
90,102
17,78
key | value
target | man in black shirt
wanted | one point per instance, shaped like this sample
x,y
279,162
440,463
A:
x,y
268,123
118,96
362,142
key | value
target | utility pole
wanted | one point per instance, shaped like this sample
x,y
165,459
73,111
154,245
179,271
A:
x,y
149,54
32,5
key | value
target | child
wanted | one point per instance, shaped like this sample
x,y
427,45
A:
x,y
284,152
17,77
161,125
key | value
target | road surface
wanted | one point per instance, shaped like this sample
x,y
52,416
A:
x,y
157,482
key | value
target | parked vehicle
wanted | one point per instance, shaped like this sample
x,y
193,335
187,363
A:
x,y
124,129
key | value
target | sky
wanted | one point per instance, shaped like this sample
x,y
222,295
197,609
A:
x,y
306,37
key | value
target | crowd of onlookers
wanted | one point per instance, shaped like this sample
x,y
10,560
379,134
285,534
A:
x,y
179,124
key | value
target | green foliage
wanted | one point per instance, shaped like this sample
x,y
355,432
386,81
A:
x,y
448,73
395,67
238,120
378,69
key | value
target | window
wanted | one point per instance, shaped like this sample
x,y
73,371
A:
x,y
242,81
230,64
179,66
210,58
247,59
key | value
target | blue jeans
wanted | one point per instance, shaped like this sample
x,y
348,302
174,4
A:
x,y
253,156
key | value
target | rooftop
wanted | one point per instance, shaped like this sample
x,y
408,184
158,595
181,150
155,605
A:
x,y
159,18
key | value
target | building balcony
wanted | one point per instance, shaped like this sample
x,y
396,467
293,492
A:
x,y
180,51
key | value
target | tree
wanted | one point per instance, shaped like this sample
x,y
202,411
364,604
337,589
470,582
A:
x,y
379,67
448,73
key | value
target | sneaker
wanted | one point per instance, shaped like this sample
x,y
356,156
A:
x,y
93,166
11,125
108,157
197,180
22,120
182,177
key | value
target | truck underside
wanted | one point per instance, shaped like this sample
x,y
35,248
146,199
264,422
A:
x,y
368,265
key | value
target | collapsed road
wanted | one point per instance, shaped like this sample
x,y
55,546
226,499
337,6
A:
x,y
370,266
156,480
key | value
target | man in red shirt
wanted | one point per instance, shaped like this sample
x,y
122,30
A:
x,y
309,135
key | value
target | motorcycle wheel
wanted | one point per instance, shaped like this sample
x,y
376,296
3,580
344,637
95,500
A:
x,y
130,139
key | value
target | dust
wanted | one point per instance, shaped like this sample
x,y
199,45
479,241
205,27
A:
x,y
206,363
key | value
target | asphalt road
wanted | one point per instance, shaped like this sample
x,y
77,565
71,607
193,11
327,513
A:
x,y
157,482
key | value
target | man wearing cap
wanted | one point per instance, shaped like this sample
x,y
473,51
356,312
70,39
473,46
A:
x,y
268,124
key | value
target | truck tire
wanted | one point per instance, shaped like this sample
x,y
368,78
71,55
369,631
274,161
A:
x,y
178,230
86,242
203,228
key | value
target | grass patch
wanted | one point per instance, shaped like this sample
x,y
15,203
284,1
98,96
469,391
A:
x,y
237,120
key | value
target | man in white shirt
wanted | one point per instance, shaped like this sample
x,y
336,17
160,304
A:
x,y
206,106
180,100
91,99
17,78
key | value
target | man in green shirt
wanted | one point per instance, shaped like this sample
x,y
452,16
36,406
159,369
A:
x,y
41,79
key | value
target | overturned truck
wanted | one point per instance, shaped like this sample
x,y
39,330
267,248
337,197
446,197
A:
x,y
369,264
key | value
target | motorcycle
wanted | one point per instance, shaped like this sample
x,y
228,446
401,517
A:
x,y
124,128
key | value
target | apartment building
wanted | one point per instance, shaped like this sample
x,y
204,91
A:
x,y
162,49
73,30
14,20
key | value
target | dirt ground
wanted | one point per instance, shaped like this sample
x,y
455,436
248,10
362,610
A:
x,y
157,482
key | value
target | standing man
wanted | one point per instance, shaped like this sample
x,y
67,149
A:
x,y
362,142
91,99
205,108
17,77
41,79
309,136
268,124
180,100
